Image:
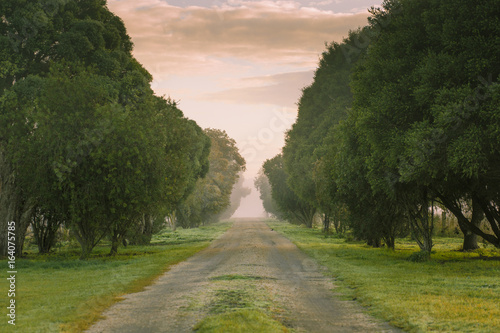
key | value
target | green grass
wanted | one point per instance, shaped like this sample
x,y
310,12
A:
x,y
239,303
453,292
57,292
240,321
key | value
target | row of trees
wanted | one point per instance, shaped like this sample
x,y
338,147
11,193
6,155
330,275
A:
x,y
402,116
84,142
211,198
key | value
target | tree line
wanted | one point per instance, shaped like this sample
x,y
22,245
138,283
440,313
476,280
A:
x,y
403,116
84,142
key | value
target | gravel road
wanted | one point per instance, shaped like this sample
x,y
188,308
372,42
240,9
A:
x,y
249,266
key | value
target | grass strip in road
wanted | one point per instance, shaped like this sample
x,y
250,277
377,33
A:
x,y
453,292
58,292
240,321
239,303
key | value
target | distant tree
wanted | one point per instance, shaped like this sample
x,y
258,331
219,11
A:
x,y
292,208
212,194
176,155
262,184
187,148
323,105
239,192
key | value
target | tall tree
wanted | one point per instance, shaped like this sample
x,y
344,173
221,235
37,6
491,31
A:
x,y
422,116
322,106
33,36
84,142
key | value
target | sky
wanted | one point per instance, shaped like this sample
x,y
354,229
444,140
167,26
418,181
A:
x,y
238,65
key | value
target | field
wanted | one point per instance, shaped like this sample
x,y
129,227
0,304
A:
x,y
58,292
453,292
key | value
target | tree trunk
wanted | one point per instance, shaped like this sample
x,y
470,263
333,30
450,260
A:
x,y
455,207
115,242
444,223
390,242
422,225
470,241
13,207
326,223
142,231
44,231
470,238
86,251
87,241
374,242
147,233
173,221
307,216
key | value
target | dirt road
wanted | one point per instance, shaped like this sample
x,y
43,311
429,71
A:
x,y
249,266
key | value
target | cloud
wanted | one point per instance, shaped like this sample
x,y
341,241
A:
x,y
324,3
193,38
281,89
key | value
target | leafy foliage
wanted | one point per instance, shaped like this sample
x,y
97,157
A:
x,y
419,114
262,184
212,194
291,207
402,116
84,141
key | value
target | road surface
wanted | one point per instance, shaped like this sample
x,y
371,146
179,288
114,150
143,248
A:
x,y
249,266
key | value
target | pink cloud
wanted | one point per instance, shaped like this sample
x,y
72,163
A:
x,y
185,39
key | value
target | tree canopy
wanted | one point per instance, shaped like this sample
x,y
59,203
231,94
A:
x,y
212,194
401,116
291,206
84,141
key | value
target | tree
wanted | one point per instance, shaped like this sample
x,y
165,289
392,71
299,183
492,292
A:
x,y
33,36
239,192
212,194
371,216
322,139
262,184
420,115
183,160
321,107
92,151
173,154
84,142
292,208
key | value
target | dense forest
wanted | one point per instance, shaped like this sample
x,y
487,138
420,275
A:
x,y
85,145
402,120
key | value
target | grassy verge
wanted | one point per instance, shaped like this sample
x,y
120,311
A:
x,y
453,292
57,292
